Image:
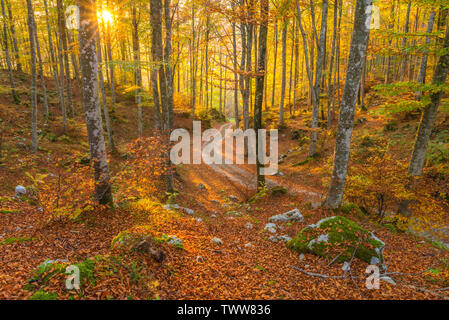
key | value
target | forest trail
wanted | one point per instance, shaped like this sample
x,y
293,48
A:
x,y
241,175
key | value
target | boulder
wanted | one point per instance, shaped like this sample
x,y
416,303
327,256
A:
x,y
292,215
338,237
20,191
271,227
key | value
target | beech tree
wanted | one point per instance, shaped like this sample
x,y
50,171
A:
x,y
357,53
88,30
31,33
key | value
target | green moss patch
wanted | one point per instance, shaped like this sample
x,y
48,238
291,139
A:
x,y
9,211
339,238
16,240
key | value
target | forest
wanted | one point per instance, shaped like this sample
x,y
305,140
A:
x,y
224,150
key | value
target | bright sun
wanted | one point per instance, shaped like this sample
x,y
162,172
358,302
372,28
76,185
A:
x,y
106,16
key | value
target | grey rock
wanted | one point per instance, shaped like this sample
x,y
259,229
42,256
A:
x,y
217,241
213,216
249,225
293,215
233,198
248,245
271,227
188,211
20,191
284,238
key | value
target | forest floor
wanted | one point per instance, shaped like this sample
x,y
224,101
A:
x,y
247,265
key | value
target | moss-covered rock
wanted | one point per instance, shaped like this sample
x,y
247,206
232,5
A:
x,y
338,237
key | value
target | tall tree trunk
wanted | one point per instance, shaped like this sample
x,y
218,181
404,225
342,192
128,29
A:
x,y
317,88
261,74
31,32
357,53
14,38
404,40
63,39
88,61
8,60
137,71
274,62
162,63
193,64
236,93
50,44
103,95
331,87
391,27
428,117
284,70
41,71
423,68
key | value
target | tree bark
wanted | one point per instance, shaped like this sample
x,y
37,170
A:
x,y
428,117
357,53
31,32
423,68
317,88
89,73
261,74
8,59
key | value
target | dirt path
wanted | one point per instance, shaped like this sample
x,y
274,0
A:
x,y
240,175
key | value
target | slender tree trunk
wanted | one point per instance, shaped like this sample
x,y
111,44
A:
x,y
428,117
193,64
404,40
261,74
331,87
31,32
103,95
14,38
41,71
317,88
137,71
63,39
8,60
388,71
274,62
423,68
357,53
88,61
284,70
50,44
236,84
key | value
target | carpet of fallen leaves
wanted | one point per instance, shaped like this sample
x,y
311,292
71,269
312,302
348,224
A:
x,y
204,270
246,266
